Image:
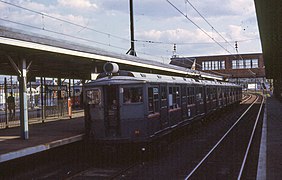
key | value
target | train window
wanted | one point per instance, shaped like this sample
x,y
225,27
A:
x,y
153,99
163,95
183,91
132,95
177,96
191,98
214,93
174,97
208,93
163,92
184,94
220,92
93,96
199,94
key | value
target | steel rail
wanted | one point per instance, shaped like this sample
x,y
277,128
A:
x,y
123,171
223,137
250,141
247,98
111,177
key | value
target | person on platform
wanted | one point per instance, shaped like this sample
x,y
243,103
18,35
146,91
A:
x,y
11,106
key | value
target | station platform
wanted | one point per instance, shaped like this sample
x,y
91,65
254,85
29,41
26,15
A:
x,y
270,158
42,136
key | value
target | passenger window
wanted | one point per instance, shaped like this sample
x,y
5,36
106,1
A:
x,y
174,97
132,95
199,95
163,92
153,99
177,96
190,91
208,93
93,96
163,95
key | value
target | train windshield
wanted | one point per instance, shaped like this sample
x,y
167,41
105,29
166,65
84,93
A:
x,y
93,96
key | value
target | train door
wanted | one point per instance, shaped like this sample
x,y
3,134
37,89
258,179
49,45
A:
x,y
206,93
199,100
111,109
164,107
184,102
191,106
94,112
218,92
154,122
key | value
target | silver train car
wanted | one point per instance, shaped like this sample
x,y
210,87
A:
x,y
132,107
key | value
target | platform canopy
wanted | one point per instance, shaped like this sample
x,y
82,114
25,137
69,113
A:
x,y
49,57
269,13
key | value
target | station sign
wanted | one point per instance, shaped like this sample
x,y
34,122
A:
x,y
56,87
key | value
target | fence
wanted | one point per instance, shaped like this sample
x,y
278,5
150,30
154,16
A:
x,y
41,106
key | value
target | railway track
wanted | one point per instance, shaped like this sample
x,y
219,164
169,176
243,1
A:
x,y
104,173
232,152
194,156
209,150
227,155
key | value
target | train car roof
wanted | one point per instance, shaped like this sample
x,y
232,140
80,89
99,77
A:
x,y
218,83
128,77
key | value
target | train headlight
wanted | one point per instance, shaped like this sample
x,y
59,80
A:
x,y
110,68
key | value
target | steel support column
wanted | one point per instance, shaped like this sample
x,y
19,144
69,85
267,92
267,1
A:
x,y
23,101
42,94
6,100
73,93
69,95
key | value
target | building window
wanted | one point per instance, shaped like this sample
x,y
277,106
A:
x,y
234,64
213,65
255,63
244,63
248,63
209,65
241,64
222,64
216,65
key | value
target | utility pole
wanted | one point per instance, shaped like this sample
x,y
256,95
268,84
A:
x,y
131,51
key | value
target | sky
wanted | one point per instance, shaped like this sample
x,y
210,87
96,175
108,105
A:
x,y
197,27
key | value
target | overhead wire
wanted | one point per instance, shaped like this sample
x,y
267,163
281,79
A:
x,y
108,34
65,21
198,26
62,20
208,22
236,49
205,31
79,38
185,43
55,32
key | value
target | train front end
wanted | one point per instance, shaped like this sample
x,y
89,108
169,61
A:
x,y
114,110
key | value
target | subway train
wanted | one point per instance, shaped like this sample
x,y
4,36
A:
x,y
133,107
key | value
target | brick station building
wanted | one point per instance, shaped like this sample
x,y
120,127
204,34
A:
x,y
245,69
